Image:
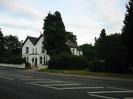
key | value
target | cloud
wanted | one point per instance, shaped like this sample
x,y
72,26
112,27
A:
x,y
85,18
20,16
18,7
107,11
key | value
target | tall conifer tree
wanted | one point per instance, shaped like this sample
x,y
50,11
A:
x,y
54,34
127,33
1,44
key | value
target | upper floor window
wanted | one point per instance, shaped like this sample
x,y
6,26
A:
x,y
36,50
33,51
27,50
43,50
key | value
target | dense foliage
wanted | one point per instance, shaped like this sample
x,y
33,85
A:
x,y
88,51
10,50
1,44
67,61
70,36
12,46
54,35
127,34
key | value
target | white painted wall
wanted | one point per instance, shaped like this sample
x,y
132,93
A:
x,y
27,44
34,55
39,53
21,66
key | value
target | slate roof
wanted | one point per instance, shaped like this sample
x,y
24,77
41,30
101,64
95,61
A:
x,y
71,44
33,39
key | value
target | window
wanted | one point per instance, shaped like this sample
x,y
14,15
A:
x,y
36,50
27,50
40,60
33,51
44,60
73,51
32,59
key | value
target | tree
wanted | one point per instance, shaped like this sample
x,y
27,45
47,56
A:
x,y
115,57
127,33
54,35
1,44
100,45
88,51
13,46
70,36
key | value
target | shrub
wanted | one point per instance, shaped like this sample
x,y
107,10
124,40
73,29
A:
x,y
27,65
97,65
12,60
67,62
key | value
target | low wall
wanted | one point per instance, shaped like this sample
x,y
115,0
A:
x,y
21,66
42,66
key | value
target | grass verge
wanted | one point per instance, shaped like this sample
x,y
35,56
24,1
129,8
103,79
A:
x,y
88,73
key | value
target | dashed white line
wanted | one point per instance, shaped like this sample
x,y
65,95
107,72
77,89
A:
x,y
6,78
82,87
44,86
46,82
99,92
72,84
99,96
118,88
128,98
34,79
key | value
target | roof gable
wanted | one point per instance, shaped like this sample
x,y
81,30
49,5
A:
x,y
71,44
33,40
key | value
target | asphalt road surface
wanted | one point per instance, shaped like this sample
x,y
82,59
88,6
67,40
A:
x,y
22,84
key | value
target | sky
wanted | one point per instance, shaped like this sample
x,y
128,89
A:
x,y
85,18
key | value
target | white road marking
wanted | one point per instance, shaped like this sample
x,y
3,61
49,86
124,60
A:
x,y
46,82
32,79
118,88
44,86
72,84
99,92
6,78
128,98
82,87
99,96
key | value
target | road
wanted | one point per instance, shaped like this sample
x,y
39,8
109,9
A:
x,y
22,84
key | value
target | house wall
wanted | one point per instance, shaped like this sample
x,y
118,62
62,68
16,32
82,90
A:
x,y
37,54
44,55
24,55
27,44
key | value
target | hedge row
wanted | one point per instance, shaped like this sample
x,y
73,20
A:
x,y
67,62
12,60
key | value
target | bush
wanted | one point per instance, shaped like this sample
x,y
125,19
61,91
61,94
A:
x,y
67,62
97,65
12,60
27,65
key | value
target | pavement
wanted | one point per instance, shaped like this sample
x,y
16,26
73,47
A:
x,y
30,84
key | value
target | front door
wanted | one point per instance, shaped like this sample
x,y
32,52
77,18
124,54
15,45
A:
x,y
35,61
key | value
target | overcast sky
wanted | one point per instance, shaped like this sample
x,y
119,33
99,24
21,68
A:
x,y
85,18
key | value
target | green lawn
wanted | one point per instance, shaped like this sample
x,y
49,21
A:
x,y
87,73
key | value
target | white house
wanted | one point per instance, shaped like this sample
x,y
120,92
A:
x,y
32,50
